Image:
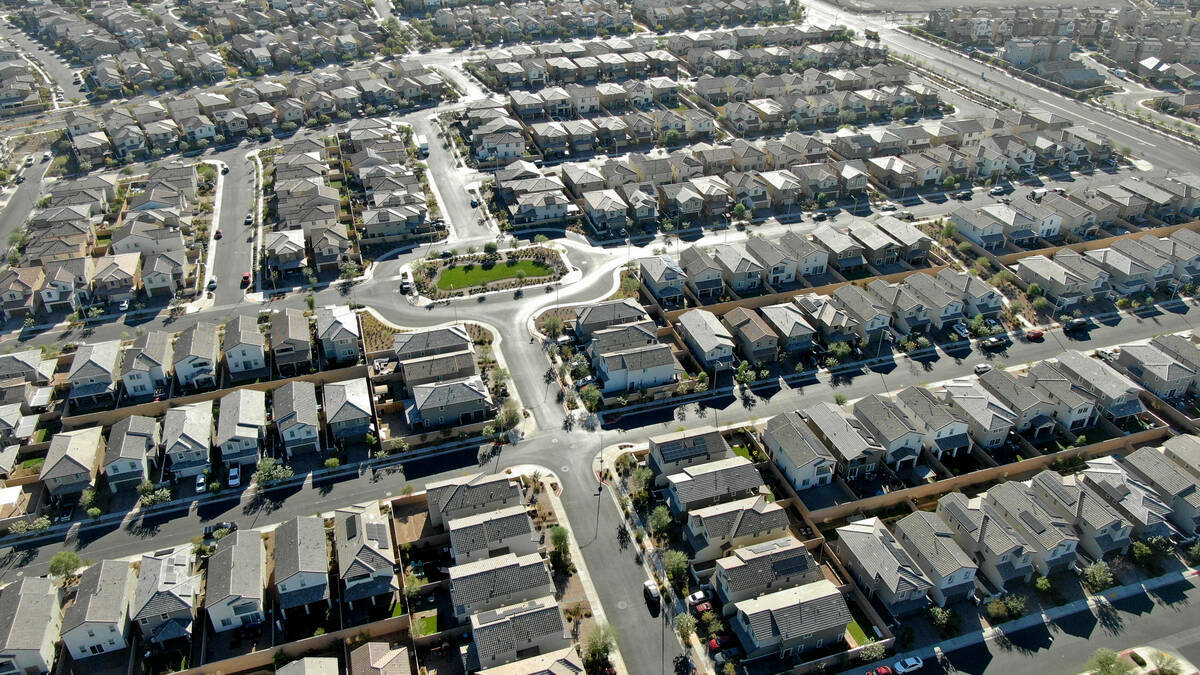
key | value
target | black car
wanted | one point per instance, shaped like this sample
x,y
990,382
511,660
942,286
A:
x,y
1075,325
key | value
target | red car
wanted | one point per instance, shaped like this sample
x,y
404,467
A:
x,y
1034,334
246,279
702,608
219,235
719,641
881,670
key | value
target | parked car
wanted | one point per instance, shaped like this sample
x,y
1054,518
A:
x,y
998,190
249,220
218,234
728,656
1035,334
909,665
992,324
962,194
702,608
585,381
245,278
232,526
1075,324
719,641
697,597
224,170
1108,354
123,306
960,329
906,215
200,484
474,202
881,670
887,206
235,477
994,342
981,368
650,590
212,284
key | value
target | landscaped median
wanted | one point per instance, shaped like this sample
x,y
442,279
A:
x,y
456,275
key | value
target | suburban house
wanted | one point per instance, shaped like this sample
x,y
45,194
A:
x,y
1000,552
713,530
1034,408
606,315
366,559
944,429
854,448
789,622
891,428
930,543
758,569
882,567
756,340
1116,395
1050,538
291,342
235,582
146,366
711,343
1157,371
431,342
1101,530
164,602
637,368
664,278
244,346
1184,450
704,277
988,421
504,635
739,269
492,533
30,620
187,439
676,451
337,329
470,495
800,455
1176,487
301,565
1148,512
132,444
380,658
97,621
93,374
294,413
196,357
788,322
492,583
448,403
72,461
347,410
712,483
778,265
241,421
1183,351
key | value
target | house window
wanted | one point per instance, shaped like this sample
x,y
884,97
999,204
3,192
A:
x,y
227,622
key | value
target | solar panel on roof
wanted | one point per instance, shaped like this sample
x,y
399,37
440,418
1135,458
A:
x,y
790,565
1032,522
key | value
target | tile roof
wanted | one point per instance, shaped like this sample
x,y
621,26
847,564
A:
x,y
881,557
476,532
714,480
931,541
504,576
794,612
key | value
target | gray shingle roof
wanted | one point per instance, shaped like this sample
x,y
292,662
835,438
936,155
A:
x,y
504,576
28,608
793,612
980,523
300,547
1045,529
1164,475
610,313
714,480
347,401
476,532
883,418
452,392
881,556
164,585
764,565
1103,379
705,330
199,341
432,341
923,408
1076,500
134,437
236,569
684,445
932,542
242,413
796,440
503,630
843,433
294,403
741,518
100,596
243,330
472,493
149,350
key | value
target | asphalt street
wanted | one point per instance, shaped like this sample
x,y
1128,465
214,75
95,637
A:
x,y
60,71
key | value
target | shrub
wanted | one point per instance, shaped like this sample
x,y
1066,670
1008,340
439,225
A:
x,y
1043,585
839,399
685,625
1098,576
676,563
997,611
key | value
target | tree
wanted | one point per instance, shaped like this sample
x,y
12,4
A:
x,y
150,496
1164,663
413,584
350,270
942,618
685,625
1098,576
1015,603
332,463
560,539
1043,585
64,563
672,137
1033,290
269,470
660,519
591,397
676,564
872,651
490,248
739,210
598,644
1042,305
553,325
1107,662
997,611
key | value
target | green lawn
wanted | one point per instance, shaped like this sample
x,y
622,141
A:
x,y
460,277
397,609
741,451
857,633
427,625
33,464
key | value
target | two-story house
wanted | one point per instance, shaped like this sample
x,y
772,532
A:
x,y
882,567
195,357
301,566
235,582
97,622
1000,552
146,365
944,429
930,543
187,439
348,410
294,413
241,424
800,455
366,559
1101,529
132,445
72,461
165,598
244,347
337,329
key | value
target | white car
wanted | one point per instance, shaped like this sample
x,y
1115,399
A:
x,y
697,598
887,206
998,190
981,368
200,484
909,665
235,476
